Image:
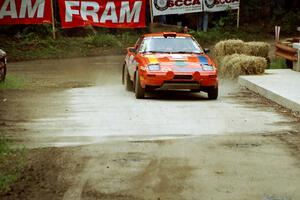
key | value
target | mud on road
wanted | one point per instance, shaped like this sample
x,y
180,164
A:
x,y
207,167
90,139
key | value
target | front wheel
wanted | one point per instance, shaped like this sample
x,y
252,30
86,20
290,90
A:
x,y
195,90
126,79
212,92
139,91
2,72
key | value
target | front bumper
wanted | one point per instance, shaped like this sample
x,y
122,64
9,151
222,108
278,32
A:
x,y
180,86
173,80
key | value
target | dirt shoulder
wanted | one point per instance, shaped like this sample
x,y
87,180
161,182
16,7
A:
x,y
214,167
39,178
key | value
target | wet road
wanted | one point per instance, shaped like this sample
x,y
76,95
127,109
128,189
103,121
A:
x,y
79,101
170,146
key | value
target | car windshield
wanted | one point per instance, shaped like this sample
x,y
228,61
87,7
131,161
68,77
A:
x,y
170,45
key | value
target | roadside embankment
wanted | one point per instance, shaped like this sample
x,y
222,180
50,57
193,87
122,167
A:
x,y
280,86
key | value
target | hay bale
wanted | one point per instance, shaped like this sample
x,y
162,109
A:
x,y
228,47
239,64
260,49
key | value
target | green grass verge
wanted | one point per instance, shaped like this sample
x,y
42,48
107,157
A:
x,y
11,163
278,63
31,46
215,35
12,82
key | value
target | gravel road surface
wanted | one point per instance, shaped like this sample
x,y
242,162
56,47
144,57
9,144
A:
x,y
91,139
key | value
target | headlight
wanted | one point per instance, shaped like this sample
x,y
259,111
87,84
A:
x,y
154,67
207,68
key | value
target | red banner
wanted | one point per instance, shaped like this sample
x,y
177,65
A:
x,y
104,13
25,11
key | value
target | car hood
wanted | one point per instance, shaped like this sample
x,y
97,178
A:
x,y
178,60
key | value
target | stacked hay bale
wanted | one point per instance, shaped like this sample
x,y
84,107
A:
x,y
236,57
260,49
240,64
228,47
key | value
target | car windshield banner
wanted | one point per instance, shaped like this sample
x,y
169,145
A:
x,y
168,7
104,13
25,11
220,5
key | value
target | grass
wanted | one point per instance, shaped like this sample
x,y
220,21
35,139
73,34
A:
x,y
3,146
32,46
278,63
11,163
12,82
215,35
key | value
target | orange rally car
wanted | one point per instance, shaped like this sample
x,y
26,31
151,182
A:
x,y
169,61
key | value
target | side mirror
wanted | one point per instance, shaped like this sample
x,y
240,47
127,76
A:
x,y
206,50
131,49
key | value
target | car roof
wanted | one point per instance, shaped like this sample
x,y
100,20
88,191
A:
x,y
166,33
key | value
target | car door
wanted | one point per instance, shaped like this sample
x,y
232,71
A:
x,y
131,59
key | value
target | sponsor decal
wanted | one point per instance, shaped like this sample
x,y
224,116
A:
x,y
152,59
209,3
168,7
180,63
25,11
220,5
178,57
161,5
104,13
203,60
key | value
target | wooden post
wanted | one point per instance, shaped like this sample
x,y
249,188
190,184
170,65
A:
x,y
53,21
151,11
277,33
238,18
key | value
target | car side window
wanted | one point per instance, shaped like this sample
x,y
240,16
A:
x,y
138,43
142,47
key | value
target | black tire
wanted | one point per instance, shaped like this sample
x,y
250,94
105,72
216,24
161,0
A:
x,y
139,91
195,90
2,73
212,92
123,70
126,79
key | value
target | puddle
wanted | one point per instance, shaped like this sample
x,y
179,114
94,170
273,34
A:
x,y
243,145
276,198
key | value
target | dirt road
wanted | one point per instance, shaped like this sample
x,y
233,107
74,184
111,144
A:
x,y
101,143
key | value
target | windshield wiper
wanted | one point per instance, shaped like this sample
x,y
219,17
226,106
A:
x,y
155,52
185,52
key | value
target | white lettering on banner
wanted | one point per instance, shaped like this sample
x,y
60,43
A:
x,y
220,5
69,11
180,3
9,9
125,12
110,8
93,13
38,7
12,11
89,8
168,7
